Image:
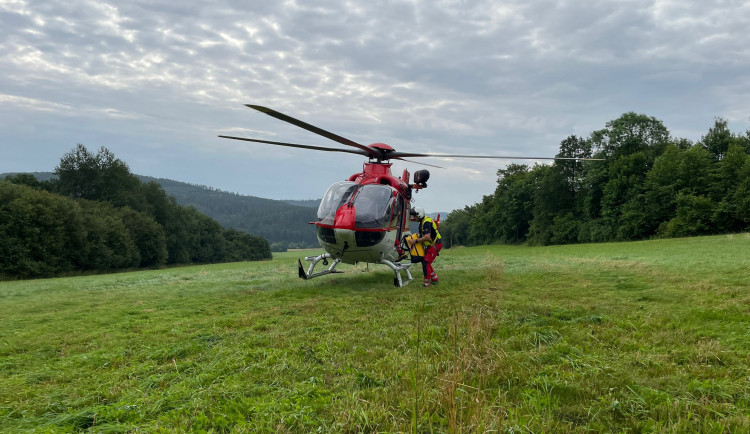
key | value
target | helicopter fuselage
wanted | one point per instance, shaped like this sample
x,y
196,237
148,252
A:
x,y
364,218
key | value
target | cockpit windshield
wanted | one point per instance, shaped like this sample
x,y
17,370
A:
x,y
373,204
337,195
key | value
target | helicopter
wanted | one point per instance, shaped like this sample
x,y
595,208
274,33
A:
x,y
366,217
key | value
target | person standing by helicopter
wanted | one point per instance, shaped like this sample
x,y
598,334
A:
x,y
430,238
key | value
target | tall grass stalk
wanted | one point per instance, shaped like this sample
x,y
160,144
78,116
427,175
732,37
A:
x,y
416,379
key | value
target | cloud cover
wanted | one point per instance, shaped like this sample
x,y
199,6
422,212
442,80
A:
x,y
156,82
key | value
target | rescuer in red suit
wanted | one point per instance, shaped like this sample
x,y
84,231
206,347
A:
x,y
430,238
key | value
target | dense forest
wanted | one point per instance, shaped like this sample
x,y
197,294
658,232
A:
x,y
97,216
648,185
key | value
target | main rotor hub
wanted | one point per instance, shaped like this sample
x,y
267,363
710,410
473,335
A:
x,y
383,151
382,147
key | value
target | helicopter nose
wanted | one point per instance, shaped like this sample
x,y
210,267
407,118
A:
x,y
345,218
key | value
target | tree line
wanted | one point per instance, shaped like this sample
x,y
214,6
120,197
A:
x,y
648,185
97,216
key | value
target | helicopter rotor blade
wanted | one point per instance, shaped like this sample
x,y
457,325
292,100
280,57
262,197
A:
x,y
295,145
418,162
314,129
499,157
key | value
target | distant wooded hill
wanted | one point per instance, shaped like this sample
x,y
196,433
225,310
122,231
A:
x,y
284,223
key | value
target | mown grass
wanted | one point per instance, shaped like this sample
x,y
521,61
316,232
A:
x,y
644,336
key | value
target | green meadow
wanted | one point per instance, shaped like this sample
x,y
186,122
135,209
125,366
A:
x,y
649,336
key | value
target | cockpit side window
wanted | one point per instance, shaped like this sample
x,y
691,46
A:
x,y
374,205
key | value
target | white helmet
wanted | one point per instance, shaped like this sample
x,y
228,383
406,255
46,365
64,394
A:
x,y
418,212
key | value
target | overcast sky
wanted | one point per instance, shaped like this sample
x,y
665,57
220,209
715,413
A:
x,y
156,81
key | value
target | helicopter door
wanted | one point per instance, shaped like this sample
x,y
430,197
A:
x,y
397,221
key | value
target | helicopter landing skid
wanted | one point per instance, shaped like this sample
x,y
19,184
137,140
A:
x,y
313,262
397,267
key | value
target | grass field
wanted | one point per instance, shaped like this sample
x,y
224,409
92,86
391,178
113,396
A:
x,y
630,337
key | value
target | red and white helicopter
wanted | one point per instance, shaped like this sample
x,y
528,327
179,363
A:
x,y
366,217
